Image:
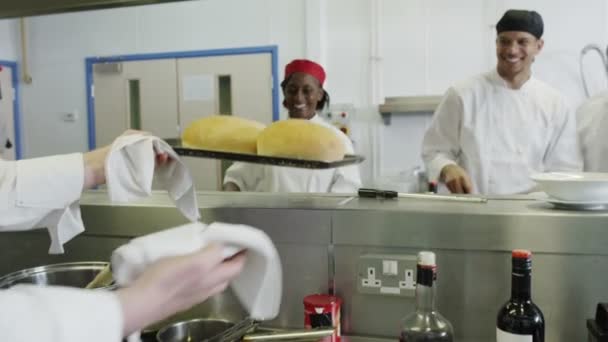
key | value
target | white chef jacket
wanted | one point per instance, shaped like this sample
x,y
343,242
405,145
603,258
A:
x,y
592,122
500,136
32,193
267,178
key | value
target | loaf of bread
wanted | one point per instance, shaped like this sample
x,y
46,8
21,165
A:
x,y
301,139
223,133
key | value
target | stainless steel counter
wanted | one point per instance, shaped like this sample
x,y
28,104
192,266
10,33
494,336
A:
x,y
499,224
320,239
508,205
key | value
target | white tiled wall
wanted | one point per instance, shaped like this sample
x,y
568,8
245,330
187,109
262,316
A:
x,y
8,39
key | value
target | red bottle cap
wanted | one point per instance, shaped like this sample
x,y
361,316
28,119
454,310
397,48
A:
x,y
521,254
322,300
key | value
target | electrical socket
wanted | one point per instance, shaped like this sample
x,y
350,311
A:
x,y
69,116
372,280
408,283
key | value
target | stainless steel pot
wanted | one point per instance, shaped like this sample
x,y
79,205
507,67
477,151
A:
x,y
194,330
214,330
75,274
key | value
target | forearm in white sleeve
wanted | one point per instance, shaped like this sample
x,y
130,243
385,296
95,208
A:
x,y
441,143
245,175
59,314
43,192
346,180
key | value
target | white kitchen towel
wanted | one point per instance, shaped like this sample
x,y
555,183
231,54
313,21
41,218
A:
x,y
63,226
130,169
258,287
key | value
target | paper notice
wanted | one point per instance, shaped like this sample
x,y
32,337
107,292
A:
x,y
198,88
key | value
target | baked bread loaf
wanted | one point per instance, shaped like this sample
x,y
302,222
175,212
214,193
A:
x,y
301,139
223,133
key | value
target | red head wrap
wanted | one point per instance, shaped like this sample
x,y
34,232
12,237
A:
x,y
308,67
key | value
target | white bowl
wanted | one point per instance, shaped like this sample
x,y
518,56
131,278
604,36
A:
x,y
574,186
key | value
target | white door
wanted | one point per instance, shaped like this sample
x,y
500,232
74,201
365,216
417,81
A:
x,y
7,131
135,95
162,96
239,85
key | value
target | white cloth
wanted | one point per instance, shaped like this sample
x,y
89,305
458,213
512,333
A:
x,y
592,120
258,286
500,135
59,314
268,178
130,170
43,192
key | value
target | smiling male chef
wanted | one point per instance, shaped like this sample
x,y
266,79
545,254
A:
x,y
491,132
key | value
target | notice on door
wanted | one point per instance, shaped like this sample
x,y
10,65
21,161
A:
x,y
198,87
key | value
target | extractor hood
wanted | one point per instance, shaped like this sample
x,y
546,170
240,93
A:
x,y
24,8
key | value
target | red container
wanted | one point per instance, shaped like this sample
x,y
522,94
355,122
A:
x,y
322,310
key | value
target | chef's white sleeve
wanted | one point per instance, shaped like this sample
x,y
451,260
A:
x,y
59,314
441,143
245,175
346,179
43,192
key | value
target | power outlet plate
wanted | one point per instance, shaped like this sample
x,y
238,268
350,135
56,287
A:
x,y
387,274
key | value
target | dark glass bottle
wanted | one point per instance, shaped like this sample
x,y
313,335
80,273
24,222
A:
x,y
520,320
426,324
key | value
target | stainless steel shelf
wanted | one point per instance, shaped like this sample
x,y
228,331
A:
x,y
408,105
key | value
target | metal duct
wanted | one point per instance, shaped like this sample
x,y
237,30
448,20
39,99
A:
x,y
23,8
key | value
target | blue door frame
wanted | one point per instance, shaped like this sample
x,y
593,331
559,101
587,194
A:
x,y
272,49
16,105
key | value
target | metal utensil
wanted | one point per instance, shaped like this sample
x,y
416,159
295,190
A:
x,y
603,55
102,279
388,194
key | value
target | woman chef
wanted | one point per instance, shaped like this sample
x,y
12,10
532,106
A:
x,y
32,190
304,96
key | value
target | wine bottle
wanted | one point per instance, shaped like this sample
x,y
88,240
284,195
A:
x,y
519,319
426,324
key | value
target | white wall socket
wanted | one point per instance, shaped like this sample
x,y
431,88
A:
x,y
370,280
408,282
377,274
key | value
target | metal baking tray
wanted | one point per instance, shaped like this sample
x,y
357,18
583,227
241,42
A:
x,y
349,159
